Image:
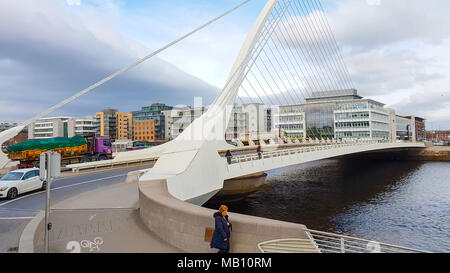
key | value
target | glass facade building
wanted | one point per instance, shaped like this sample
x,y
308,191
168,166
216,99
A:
x,y
336,114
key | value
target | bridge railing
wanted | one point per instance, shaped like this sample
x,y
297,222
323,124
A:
x,y
110,164
293,151
335,243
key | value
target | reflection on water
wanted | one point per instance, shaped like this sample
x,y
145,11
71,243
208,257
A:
x,y
403,203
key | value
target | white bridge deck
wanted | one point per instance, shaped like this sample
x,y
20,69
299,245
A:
x,y
251,163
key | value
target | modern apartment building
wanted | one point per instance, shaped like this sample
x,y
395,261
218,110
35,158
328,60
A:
x,y
144,130
179,118
291,120
154,113
106,123
124,125
243,120
49,128
84,126
248,118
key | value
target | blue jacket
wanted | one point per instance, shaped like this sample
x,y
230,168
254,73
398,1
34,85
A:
x,y
220,233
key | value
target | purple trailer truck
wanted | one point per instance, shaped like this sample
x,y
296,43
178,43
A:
x,y
99,148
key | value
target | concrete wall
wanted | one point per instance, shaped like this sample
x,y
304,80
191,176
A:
x,y
183,224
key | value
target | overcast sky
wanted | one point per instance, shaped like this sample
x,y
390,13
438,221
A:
x,y
397,52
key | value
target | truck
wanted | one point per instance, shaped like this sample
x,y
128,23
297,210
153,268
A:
x,y
73,150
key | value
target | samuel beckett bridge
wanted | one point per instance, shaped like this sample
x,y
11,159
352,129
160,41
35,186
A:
x,y
289,57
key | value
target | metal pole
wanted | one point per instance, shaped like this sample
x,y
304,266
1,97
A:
x,y
47,201
47,212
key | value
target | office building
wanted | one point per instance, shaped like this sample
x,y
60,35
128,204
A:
x,y
417,127
362,119
410,128
404,128
335,114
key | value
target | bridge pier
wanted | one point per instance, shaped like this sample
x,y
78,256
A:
x,y
243,185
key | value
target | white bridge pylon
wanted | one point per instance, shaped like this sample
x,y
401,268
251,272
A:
x,y
289,53
193,169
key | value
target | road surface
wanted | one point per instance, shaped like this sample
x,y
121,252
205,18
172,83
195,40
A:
x,y
15,214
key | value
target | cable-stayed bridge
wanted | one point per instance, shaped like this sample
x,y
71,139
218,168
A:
x,y
289,55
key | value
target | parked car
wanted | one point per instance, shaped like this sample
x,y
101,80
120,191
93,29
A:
x,y
20,181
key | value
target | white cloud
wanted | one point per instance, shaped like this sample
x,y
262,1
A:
x,y
47,53
397,52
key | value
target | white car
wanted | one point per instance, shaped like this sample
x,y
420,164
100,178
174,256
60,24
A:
x,y
20,181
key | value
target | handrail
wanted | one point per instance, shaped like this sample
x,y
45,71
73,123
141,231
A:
x,y
325,242
283,152
107,163
337,243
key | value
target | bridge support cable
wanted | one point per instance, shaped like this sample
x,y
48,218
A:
x,y
7,134
285,36
269,27
335,46
295,56
315,13
313,50
319,30
266,37
294,39
315,45
264,78
251,59
305,82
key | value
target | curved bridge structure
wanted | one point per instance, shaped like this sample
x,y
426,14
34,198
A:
x,y
190,164
283,60
190,169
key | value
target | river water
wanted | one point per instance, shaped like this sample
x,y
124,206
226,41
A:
x,y
405,203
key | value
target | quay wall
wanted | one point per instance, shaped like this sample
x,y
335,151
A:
x,y
433,153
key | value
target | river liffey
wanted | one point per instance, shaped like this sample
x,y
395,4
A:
x,y
405,203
